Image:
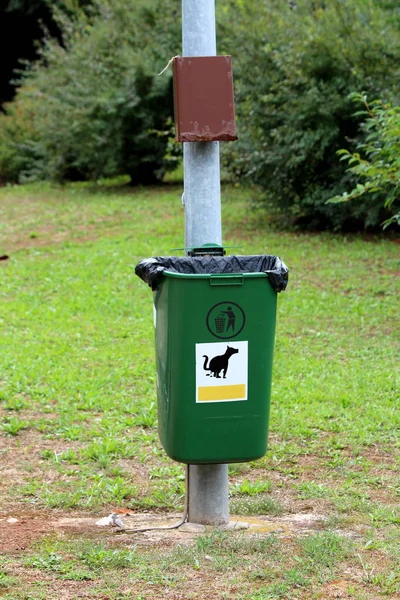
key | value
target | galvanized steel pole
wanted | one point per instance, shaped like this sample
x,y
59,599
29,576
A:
x,y
208,498
202,189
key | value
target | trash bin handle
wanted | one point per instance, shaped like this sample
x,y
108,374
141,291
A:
x,y
226,280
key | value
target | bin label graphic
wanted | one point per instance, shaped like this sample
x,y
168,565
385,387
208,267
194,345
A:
x,y
221,371
225,320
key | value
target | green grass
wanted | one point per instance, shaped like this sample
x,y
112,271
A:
x,y
78,403
218,553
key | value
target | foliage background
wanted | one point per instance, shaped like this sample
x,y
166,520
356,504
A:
x,y
379,171
93,105
294,73
23,24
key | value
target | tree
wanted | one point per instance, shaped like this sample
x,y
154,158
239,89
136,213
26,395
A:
x,y
23,24
94,104
295,70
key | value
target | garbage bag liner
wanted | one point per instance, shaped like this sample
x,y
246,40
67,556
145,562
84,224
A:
x,y
151,269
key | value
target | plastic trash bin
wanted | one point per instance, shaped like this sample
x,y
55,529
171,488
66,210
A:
x,y
214,328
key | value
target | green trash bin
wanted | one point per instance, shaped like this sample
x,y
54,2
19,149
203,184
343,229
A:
x,y
214,328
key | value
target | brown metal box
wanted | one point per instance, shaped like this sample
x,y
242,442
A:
x,y
203,98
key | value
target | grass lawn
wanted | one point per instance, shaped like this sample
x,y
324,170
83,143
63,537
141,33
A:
x,y
78,431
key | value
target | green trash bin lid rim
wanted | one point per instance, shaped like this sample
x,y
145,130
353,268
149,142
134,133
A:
x,y
210,275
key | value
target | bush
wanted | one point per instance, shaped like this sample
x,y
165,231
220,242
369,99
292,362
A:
x,y
298,63
96,107
379,169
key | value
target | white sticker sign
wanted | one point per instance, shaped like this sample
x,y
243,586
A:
x,y
221,371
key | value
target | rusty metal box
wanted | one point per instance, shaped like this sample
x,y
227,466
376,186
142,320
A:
x,y
203,99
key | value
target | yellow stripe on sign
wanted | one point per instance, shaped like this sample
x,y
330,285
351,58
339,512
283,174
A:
x,y
211,393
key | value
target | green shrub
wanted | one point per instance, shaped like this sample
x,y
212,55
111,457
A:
x,y
16,128
97,107
297,65
379,167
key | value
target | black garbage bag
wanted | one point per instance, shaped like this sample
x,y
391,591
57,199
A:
x,y
151,269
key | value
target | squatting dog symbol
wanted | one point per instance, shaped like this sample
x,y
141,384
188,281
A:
x,y
219,363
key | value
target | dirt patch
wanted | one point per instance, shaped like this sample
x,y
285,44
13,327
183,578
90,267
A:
x,y
19,529
49,237
21,459
337,589
17,533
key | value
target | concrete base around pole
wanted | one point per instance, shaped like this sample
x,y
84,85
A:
x,y
208,494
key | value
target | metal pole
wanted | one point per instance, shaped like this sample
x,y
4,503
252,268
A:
x,y
202,188
208,498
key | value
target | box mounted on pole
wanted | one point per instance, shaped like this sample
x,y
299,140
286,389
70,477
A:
x,y
203,99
